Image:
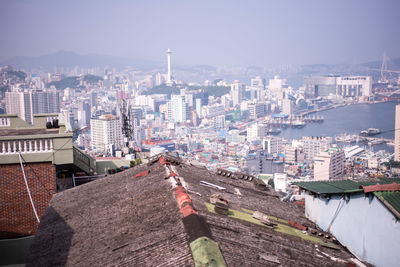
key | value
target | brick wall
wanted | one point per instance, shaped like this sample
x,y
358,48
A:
x,y
16,213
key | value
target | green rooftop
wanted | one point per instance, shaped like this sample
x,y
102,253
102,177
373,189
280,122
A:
x,y
341,186
391,199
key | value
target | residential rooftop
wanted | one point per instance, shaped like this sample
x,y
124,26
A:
x,y
132,218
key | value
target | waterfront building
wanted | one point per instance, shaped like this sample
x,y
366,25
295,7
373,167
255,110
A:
x,y
313,145
329,164
256,131
354,86
315,86
105,133
287,106
397,135
277,86
237,91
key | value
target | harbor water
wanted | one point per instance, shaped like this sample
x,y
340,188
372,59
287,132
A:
x,y
350,119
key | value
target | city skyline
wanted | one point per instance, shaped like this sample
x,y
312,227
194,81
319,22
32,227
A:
x,y
238,34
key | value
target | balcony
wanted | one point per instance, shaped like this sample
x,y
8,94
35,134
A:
x,y
8,147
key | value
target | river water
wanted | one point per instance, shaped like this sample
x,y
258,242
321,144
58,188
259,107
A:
x,y
350,119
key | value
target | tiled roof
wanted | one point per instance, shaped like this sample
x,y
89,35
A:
x,y
381,187
341,186
391,200
128,221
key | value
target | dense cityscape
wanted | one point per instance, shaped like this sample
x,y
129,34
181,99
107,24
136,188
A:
x,y
108,161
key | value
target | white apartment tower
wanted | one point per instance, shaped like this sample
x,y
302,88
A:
x,y
237,90
177,108
397,135
329,164
19,103
169,79
106,131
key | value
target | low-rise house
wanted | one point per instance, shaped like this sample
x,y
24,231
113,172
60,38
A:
x,y
363,216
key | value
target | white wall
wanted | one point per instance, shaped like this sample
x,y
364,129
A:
x,y
362,224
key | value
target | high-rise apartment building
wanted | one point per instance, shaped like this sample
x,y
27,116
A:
x,y
237,91
287,106
106,132
397,135
330,164
257,87
19,103
25,104
177,109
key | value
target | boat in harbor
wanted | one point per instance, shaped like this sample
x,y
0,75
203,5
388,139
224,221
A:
x,y
370,132
273,131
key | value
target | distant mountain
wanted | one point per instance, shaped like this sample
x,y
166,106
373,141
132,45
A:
x,y
70,60
392,64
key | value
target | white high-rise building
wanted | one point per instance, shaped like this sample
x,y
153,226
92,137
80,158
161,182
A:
x,y
19,103
354,86
276,85
169,78
330,164
105,132
177,108
237,90
287,106
397,135
257,86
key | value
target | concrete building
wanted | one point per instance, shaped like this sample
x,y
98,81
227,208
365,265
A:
x,y
20,104
46,157
397,135
105,132
329,164
363,216
263,163
320,85
237,91
257,87
25,104
287,106
313,145
293,155
273,145
256,109
277,86
177,109
256,131
354,86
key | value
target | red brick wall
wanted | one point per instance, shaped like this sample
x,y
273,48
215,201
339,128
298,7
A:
x,y
16,213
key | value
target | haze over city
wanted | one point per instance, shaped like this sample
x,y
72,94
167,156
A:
x,y
236,33
200,133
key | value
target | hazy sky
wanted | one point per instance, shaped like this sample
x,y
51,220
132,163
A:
x,y
215,32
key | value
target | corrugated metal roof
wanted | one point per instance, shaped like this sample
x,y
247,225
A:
x,y
391,200
341,186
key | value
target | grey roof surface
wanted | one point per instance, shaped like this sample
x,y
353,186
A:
x,y
118,220
125,221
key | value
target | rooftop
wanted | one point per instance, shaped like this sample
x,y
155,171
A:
x,y
132,218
